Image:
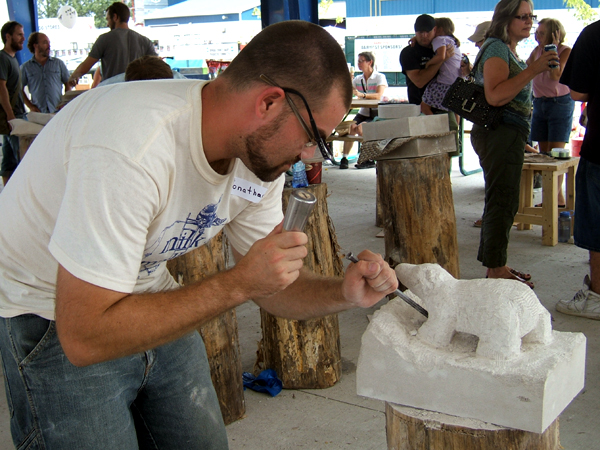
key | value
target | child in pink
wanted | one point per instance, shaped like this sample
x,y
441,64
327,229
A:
x,y
449,70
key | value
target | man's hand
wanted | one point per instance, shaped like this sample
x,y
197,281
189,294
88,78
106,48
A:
x,y
73,79
271,264
369,280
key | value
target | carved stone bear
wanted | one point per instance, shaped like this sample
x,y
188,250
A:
x,y
502,313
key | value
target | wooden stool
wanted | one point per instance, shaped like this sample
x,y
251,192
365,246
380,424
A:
x,y
416,429
220,334
417,211
306,353
547,214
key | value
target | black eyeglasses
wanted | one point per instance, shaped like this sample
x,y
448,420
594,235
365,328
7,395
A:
x,y
313,136
525,17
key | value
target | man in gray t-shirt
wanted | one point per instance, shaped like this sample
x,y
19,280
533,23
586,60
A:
x,y
11,102
117,48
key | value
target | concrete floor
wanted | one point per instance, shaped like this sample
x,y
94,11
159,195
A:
x,y
336,418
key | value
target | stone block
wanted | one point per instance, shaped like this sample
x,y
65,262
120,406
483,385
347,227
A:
x,y
423,146
405,127
527,392
398,110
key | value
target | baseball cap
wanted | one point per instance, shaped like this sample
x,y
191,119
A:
x,y
424,23
480,31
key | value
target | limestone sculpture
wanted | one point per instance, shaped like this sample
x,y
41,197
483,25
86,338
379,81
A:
x,y
502,313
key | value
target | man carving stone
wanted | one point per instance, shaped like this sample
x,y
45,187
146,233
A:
x,y
113,194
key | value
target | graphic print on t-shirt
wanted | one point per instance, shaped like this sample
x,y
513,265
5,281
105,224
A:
x,y
180,237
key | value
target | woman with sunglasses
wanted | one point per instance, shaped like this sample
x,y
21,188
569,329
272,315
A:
x,y
506,80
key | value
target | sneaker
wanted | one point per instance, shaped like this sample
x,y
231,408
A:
x,y
344,163
368,164
586,303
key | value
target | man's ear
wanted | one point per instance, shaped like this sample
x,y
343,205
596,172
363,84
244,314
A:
x,y
270,101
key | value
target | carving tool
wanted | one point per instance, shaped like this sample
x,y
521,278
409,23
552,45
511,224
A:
x,y
350,256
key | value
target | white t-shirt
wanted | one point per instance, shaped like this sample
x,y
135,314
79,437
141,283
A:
x,y
376,79
114,186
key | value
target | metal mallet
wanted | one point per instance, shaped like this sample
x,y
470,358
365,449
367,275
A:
x,y
300,205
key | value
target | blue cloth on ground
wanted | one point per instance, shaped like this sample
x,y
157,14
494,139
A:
x,y
266,382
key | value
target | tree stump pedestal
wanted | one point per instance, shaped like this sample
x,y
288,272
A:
x,y
306,353
220,334
416,429
417,211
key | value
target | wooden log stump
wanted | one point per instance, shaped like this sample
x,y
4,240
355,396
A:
x,y
220,334
306,353
418,211
415,429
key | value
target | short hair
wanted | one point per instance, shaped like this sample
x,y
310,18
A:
x,y
121,10
552,26
447,27
148,67
369,56
9,28
294,54
33,39
505,11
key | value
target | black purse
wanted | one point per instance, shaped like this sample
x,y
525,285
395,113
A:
x,y
467,99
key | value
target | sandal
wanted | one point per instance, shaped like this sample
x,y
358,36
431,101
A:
x,y
516,277
478,223
524,276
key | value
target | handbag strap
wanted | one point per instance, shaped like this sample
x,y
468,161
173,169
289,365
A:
x,y
477,60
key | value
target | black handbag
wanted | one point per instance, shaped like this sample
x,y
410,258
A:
x,y
467,99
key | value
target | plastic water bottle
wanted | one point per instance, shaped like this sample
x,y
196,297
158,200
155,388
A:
x,y
299,172
564,226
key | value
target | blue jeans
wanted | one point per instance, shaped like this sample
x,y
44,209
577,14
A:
x,y
587,206
10,154
159,399
552,118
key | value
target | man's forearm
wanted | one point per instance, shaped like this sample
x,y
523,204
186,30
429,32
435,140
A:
x,y
5,102
310,296
136,322
28,102
579,96
421,77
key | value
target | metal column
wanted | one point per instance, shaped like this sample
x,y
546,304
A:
x,y
24,12
273,11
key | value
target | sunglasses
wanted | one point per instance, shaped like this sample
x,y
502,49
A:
x,y
314,137
526,17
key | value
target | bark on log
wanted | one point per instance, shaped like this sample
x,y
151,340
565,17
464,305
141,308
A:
x,y
221,333
405,432
418,211
306,354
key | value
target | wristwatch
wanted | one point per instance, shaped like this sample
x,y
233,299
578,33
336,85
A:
x,y
364,95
